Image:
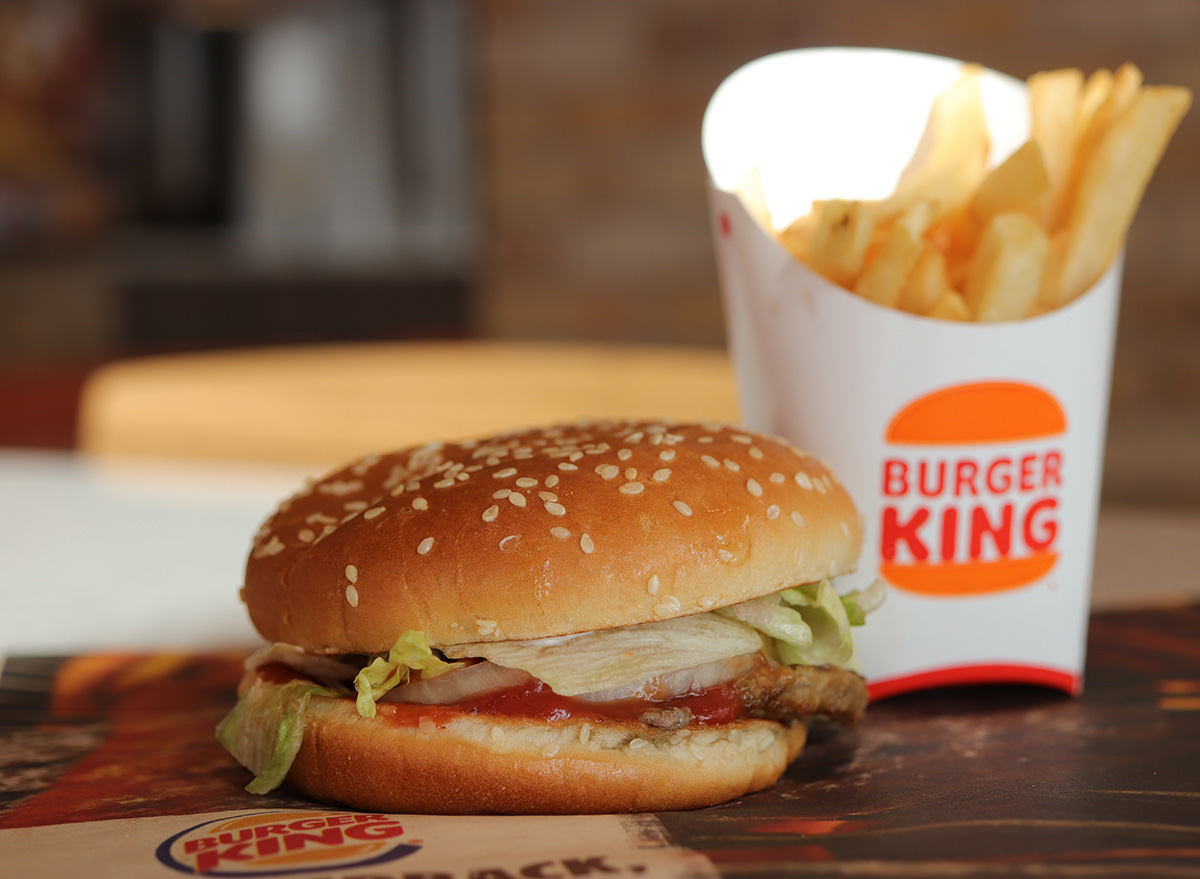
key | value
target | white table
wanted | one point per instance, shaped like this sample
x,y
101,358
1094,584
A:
x,y
144,554
127,554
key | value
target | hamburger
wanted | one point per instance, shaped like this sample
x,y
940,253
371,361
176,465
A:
x,y
599,617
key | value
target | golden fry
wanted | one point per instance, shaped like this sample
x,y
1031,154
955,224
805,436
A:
x,y
754,198
1055,99
1020,184
1006,273
1110,188
839,240
883,278
926,283
952,156
950,307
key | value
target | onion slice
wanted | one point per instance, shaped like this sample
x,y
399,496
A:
x,y
453,686
684,682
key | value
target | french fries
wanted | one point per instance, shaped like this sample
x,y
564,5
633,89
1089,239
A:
x,y
957,241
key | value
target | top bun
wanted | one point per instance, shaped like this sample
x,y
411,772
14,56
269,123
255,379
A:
x,y
545,532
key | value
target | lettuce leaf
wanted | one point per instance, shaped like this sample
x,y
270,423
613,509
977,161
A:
x,y
265,729
771,616
613,658
860,602
822,609
809,624
409,653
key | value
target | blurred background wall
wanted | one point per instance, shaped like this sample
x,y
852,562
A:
x,y
210,173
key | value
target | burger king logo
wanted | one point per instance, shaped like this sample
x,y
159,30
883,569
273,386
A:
x,y
970,484
279,843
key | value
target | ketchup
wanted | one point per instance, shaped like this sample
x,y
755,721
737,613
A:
x,y
536,701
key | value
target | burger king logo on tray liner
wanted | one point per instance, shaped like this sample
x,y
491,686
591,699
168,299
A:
x,y
286,843
970,490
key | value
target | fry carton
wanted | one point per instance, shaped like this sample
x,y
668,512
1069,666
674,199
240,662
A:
x,y
973,449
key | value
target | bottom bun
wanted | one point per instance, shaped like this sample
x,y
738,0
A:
x,y
450,763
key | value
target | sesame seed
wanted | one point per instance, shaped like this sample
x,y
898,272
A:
x,y
632,488
492,461
505,473
773,511
708,601
340,488
803,480
624,454
560,532
412,485
555,509
425,545
662,475
635,744
666,455
635,437
273,548
845,530
486,627
741,438
516,499
798,519
575,456
710,460
502,493
549,750
551,480
667,607
526,482
683,508
704,439
547,495
565,466
652,584
631,473
445,483
732,466
320,518
820,485
306,535
374,511
351,596
585,733
490,514
419,503
608,471
586,544
508,544
756,453
725,555
355,506
352,573
778,478
754,488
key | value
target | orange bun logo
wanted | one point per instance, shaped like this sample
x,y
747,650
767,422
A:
x,y
971,489
285,843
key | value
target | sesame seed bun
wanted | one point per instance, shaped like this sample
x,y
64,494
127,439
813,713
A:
x,y
545,533
474,765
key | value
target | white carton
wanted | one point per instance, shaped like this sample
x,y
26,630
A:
x,y
973,450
